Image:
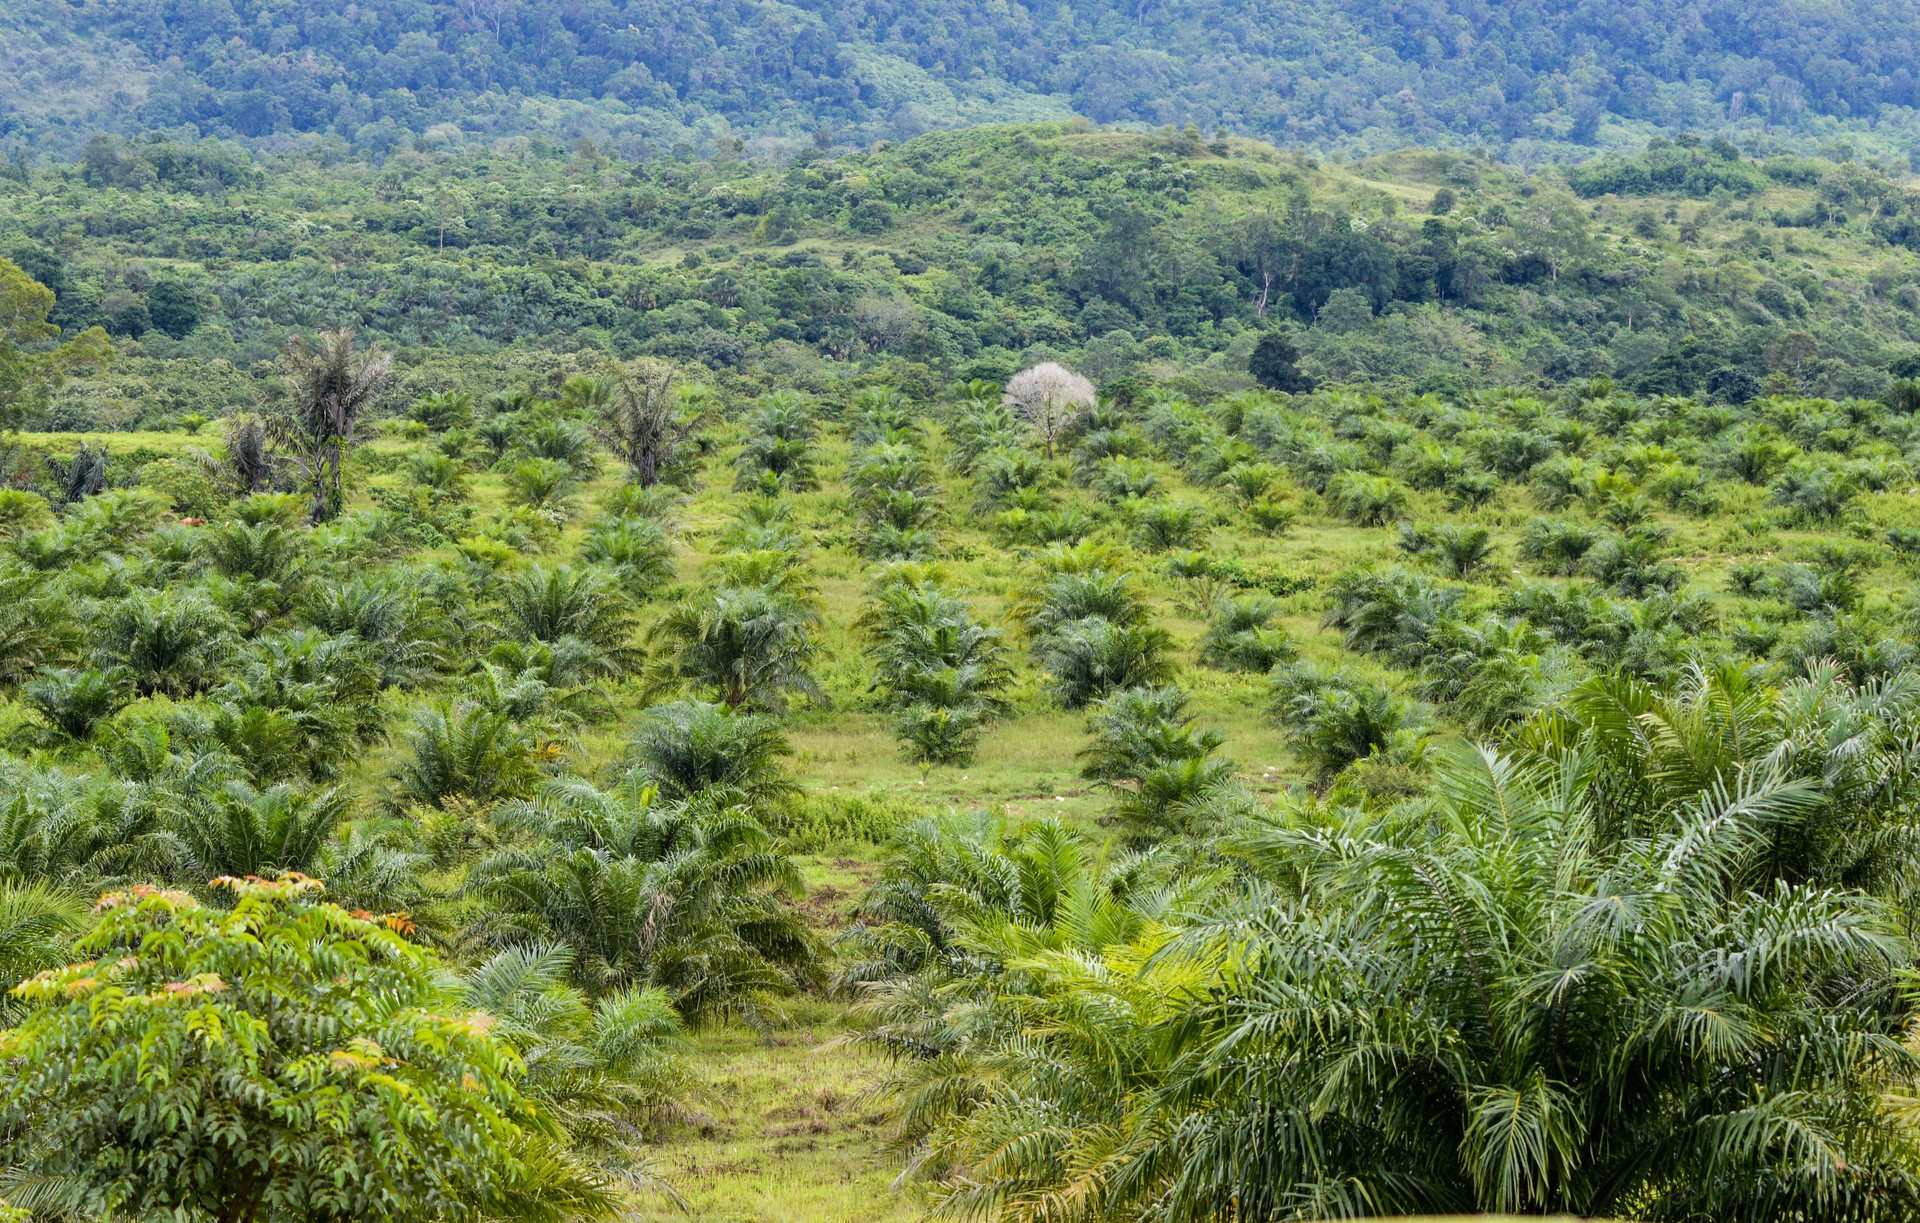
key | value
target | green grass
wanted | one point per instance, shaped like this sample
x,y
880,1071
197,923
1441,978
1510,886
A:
x,y
149,443
790,1136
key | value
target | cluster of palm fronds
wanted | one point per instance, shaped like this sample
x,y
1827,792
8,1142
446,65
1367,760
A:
x,y
1090,626
215,682
941,671
1645,960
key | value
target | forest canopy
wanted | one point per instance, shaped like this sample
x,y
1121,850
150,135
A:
x,y
1367,76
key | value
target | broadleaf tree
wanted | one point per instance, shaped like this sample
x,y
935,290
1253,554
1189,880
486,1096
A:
x,y
282,1058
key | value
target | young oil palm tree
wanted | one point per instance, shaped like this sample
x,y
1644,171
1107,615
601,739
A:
x,y
464,750
1160,767
746,646
37,624
1092,657
406,636
639,551
74,702
265,552
944,670
1395,614
565,603
242,830
779,444
1367,499
945,729
1077,594
1334,718
172,641
323,689
689,748
1850,749
1494,673
682,896
1242,636
944,874
80,833
547,486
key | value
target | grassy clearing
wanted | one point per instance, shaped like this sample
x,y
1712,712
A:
x,y
790,1137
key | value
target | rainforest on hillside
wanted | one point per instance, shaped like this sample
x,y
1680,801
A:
x,y
1557,76
1050,613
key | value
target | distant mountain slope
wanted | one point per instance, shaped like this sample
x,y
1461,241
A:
x,y
1365,75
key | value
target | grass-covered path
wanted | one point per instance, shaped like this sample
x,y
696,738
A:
x,y
790,1137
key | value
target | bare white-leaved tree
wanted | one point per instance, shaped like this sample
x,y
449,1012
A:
x,y
1048,397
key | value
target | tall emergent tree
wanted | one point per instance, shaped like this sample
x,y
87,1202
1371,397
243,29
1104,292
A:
x,y
248,459
332,388
647,417
281,1059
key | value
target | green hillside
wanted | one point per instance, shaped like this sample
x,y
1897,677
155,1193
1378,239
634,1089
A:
x,y
1554,77
1683,270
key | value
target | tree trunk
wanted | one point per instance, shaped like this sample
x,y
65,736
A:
x,y
331,466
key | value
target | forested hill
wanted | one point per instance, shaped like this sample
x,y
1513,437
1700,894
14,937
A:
x,y
1365,75
1687,269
